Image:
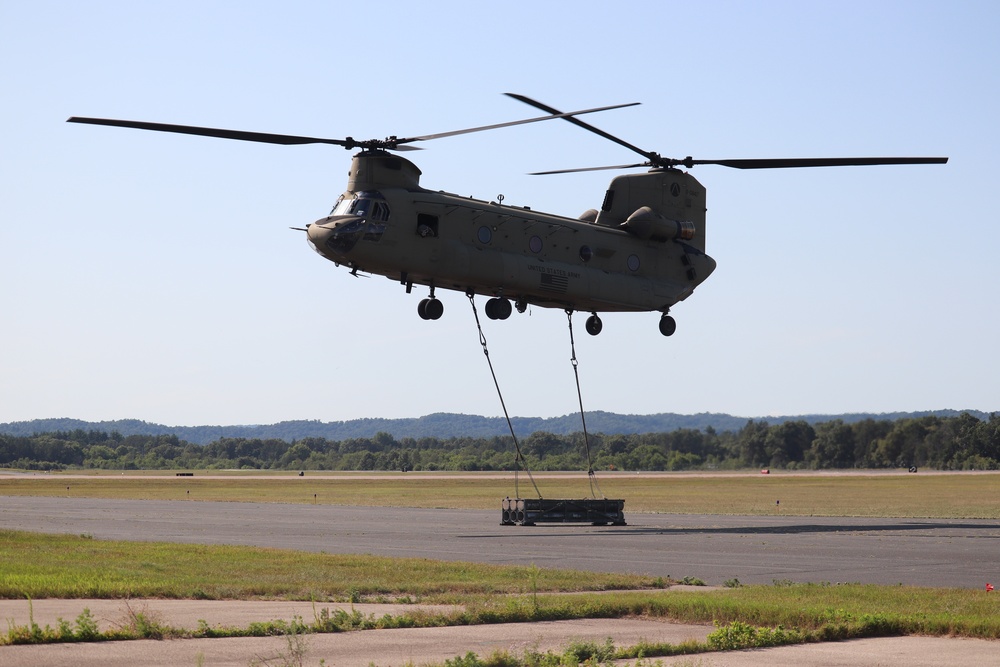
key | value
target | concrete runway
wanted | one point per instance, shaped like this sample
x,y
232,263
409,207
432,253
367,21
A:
x,y
920,552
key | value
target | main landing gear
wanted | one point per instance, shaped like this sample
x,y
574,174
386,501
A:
x,y
499,308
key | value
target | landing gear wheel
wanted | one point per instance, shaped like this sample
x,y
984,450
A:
x,y
434,309
594,325
430,309
504,308
498,308
667,325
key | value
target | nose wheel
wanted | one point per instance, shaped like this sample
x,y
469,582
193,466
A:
x,y
667,325
430,308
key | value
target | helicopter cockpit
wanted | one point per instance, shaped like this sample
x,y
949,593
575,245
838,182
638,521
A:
x,y
369,204
361,217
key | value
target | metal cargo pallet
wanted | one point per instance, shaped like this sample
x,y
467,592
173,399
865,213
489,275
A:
x,y
529,511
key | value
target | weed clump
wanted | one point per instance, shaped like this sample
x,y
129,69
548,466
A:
x,y
737,635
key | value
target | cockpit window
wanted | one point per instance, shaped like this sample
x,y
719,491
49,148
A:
x,y
369,204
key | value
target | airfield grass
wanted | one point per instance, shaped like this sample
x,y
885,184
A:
x,y
892,494
70,566
77,566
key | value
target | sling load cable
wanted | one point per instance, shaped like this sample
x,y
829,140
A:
x,y
586,439
519,457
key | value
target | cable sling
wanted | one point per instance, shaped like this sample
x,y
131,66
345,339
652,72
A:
x,y
586,438
519,457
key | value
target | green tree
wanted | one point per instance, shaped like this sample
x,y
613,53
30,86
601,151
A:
x,y
787,443
833,446
903,446
750,443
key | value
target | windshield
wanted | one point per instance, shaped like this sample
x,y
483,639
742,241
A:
x,y
369,204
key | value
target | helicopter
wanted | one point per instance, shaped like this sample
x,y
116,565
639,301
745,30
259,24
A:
x,y
643,251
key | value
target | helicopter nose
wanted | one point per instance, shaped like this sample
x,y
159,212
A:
x,y
319,233
335,237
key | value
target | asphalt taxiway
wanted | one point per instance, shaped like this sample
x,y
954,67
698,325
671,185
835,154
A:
x,y
753,549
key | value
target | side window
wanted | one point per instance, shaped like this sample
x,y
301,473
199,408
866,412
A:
x,y
380,212
427,225
362,207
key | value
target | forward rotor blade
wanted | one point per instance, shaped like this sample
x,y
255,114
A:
x,y
785,163
555,114
391,143
261,137
652,157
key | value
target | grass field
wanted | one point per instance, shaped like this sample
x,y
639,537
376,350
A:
x,y
892,494
67,566
72,566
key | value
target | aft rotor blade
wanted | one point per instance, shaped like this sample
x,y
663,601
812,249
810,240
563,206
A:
x,y
765,163
785,163
573,171
555,114
652,157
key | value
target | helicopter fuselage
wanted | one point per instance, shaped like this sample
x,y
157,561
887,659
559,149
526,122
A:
x,y
636,254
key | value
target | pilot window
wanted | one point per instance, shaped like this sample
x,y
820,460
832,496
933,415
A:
x,y
369,204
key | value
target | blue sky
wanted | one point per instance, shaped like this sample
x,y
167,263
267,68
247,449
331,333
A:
x,y
153,276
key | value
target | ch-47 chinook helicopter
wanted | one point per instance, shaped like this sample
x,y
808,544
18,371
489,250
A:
x,y
643,251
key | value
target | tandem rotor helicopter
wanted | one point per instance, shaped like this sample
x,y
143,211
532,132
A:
x,y
644,250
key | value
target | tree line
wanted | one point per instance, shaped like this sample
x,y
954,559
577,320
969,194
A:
x,y
962,442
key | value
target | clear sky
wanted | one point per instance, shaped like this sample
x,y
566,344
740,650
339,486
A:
x,y
154,276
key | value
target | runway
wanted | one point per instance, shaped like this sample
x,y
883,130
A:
x,y
755,550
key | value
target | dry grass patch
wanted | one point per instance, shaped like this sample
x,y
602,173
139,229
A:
x,y
890,494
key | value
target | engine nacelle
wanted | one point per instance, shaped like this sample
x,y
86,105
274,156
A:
x,y
647,224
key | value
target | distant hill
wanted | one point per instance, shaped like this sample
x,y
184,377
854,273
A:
x,y
448,425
